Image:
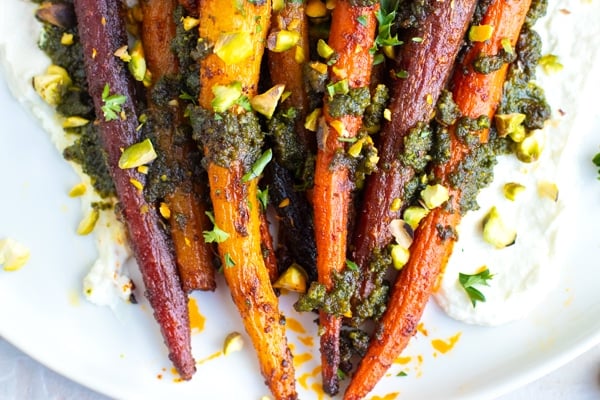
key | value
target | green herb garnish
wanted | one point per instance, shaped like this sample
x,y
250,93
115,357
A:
x,y
258,167
112,103
352,266
468,281
217,235
596,161
228,261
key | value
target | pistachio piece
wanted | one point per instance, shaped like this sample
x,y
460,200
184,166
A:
x,y
480,33
233,342
530,149
495,232
312,120
400,256
434,195
283,40
402,232
57,14
512,189
74,122
324,50
315,9
294,278
548,189
137,154
226,96
511,125
234,47
87,224
137,64
413,215
266,103
52,85
13,255
78,190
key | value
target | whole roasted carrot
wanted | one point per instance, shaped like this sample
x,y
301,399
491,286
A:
x,y
424,67
475,94
352,35
102,32
185,210
232,140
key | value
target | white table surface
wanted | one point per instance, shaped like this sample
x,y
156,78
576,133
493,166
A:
x,y
22,378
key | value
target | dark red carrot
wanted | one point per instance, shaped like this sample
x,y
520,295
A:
x,y
422,68
102,32
475,94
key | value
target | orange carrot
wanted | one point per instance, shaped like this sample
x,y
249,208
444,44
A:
x,y
186,213
475,94
352,35
233,193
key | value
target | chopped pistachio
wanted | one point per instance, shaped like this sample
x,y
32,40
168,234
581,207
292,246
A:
x,y
389,51
550,64
339,127
324,50
396,204
511,125
387,114
402,232
137,64
530,148
143,169
74,122
137,154
226,96
299,54
319,67
400,256
234,47
123,54
413,215
52,84
356,148
88,223
233,342
189,23
339,87
507,46
13,255
434,195
480,33
266,103
137,184
312,120
66,39
283,40
78,190
512,189
164,210
495,232
294,278
548,189
278,5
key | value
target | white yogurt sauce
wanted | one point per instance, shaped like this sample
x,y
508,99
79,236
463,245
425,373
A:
x,y
523,273
21,60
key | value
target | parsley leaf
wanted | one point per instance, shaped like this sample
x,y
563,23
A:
x,y
112,104
385,18
401,373
468,281
352,266
362,19
228,261
263,197
596,161
217,235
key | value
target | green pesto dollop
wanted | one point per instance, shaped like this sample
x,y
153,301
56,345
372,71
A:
x,y
352,103
373,114
336,301
289,151
487,64
374,305
417,144
227,137
188,50
353,342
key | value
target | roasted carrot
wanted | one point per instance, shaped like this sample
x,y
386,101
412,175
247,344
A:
x,y
238,31
102,32
352,35
184,208
475,94
426,65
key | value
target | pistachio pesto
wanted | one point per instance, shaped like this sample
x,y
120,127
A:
x,y
188,50
335,301
352,103
417,144
288,149
227,137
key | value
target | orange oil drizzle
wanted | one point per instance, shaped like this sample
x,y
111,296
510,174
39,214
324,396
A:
x,y
444,346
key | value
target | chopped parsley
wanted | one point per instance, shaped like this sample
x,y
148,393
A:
x,y
228,261
258,167
263,197
362,19
112,103
217,235
468,281
351,265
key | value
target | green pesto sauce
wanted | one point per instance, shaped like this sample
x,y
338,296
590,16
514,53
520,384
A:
x,y
446,110
289,151
410,14
521,93
488,64
374,112
353,342
363,3
336,301
536,11
352,103
227,137
189,50
86,150
375,304
417,143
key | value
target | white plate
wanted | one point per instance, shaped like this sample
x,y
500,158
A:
x,y
121,353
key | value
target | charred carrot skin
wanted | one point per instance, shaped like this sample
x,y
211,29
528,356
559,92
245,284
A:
x,y
475,94
352,35
428,64
234,199
187,219
102,32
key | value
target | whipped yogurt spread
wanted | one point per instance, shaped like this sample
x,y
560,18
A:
x,y
523,274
